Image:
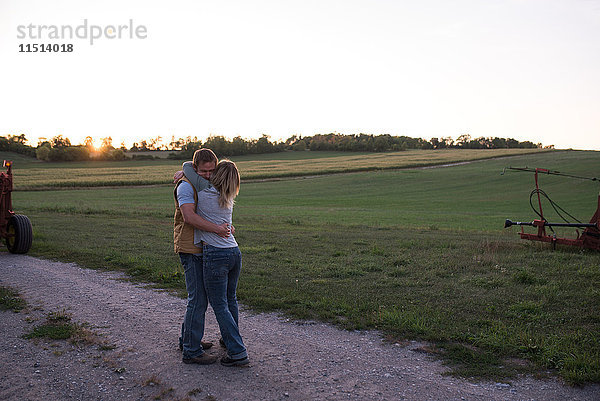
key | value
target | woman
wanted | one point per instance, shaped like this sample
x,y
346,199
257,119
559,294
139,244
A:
x,y
222,257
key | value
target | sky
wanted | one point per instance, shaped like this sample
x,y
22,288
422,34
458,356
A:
x,y
524,69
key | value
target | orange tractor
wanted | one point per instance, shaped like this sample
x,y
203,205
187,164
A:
x,y
14,228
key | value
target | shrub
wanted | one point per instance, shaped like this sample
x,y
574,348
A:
x,y
42,153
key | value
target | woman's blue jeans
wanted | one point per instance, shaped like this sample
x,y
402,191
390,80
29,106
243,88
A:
x,y
222,267
192,330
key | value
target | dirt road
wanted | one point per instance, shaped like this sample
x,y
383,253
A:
x,y
295,361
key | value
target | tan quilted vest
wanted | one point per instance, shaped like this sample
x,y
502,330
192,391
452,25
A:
x,y
183,233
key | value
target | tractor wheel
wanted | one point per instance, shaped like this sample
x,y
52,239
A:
x,y
20,234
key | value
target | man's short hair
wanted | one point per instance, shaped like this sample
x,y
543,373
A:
x,y
204,155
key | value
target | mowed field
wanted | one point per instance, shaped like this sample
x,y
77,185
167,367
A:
x,y
415,253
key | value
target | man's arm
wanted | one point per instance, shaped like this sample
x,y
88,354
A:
x,y
190,217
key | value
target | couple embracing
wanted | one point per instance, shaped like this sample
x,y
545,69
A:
x,y
203,238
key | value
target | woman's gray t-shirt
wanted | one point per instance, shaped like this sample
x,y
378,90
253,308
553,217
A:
x,y
209,209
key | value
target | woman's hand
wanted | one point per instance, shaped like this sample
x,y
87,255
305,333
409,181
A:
x,y
177,176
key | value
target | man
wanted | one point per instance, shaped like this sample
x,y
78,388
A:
x,y
186,199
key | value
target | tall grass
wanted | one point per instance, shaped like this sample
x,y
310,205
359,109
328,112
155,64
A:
x,y
32,175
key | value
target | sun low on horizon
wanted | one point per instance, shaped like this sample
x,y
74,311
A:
x,y
141,70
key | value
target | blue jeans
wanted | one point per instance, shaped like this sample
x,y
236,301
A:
x,y
222,268
192,330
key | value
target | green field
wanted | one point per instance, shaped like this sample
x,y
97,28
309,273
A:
x,y
31,174
416,253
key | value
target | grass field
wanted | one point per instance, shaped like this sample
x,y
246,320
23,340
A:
x,y
31,174
415,253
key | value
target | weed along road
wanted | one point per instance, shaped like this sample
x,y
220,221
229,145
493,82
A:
x,y
128,350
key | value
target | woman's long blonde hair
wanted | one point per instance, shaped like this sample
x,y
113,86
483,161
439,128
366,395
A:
x,y
226,180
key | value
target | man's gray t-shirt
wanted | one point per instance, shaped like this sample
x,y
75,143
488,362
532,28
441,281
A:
x,y
209,209
185,193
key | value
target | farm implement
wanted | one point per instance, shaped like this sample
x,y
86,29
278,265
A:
x,y
14,228
589,238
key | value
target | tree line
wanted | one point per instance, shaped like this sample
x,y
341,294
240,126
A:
x,y
60,148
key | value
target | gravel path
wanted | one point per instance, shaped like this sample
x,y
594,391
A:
x,y
296,361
